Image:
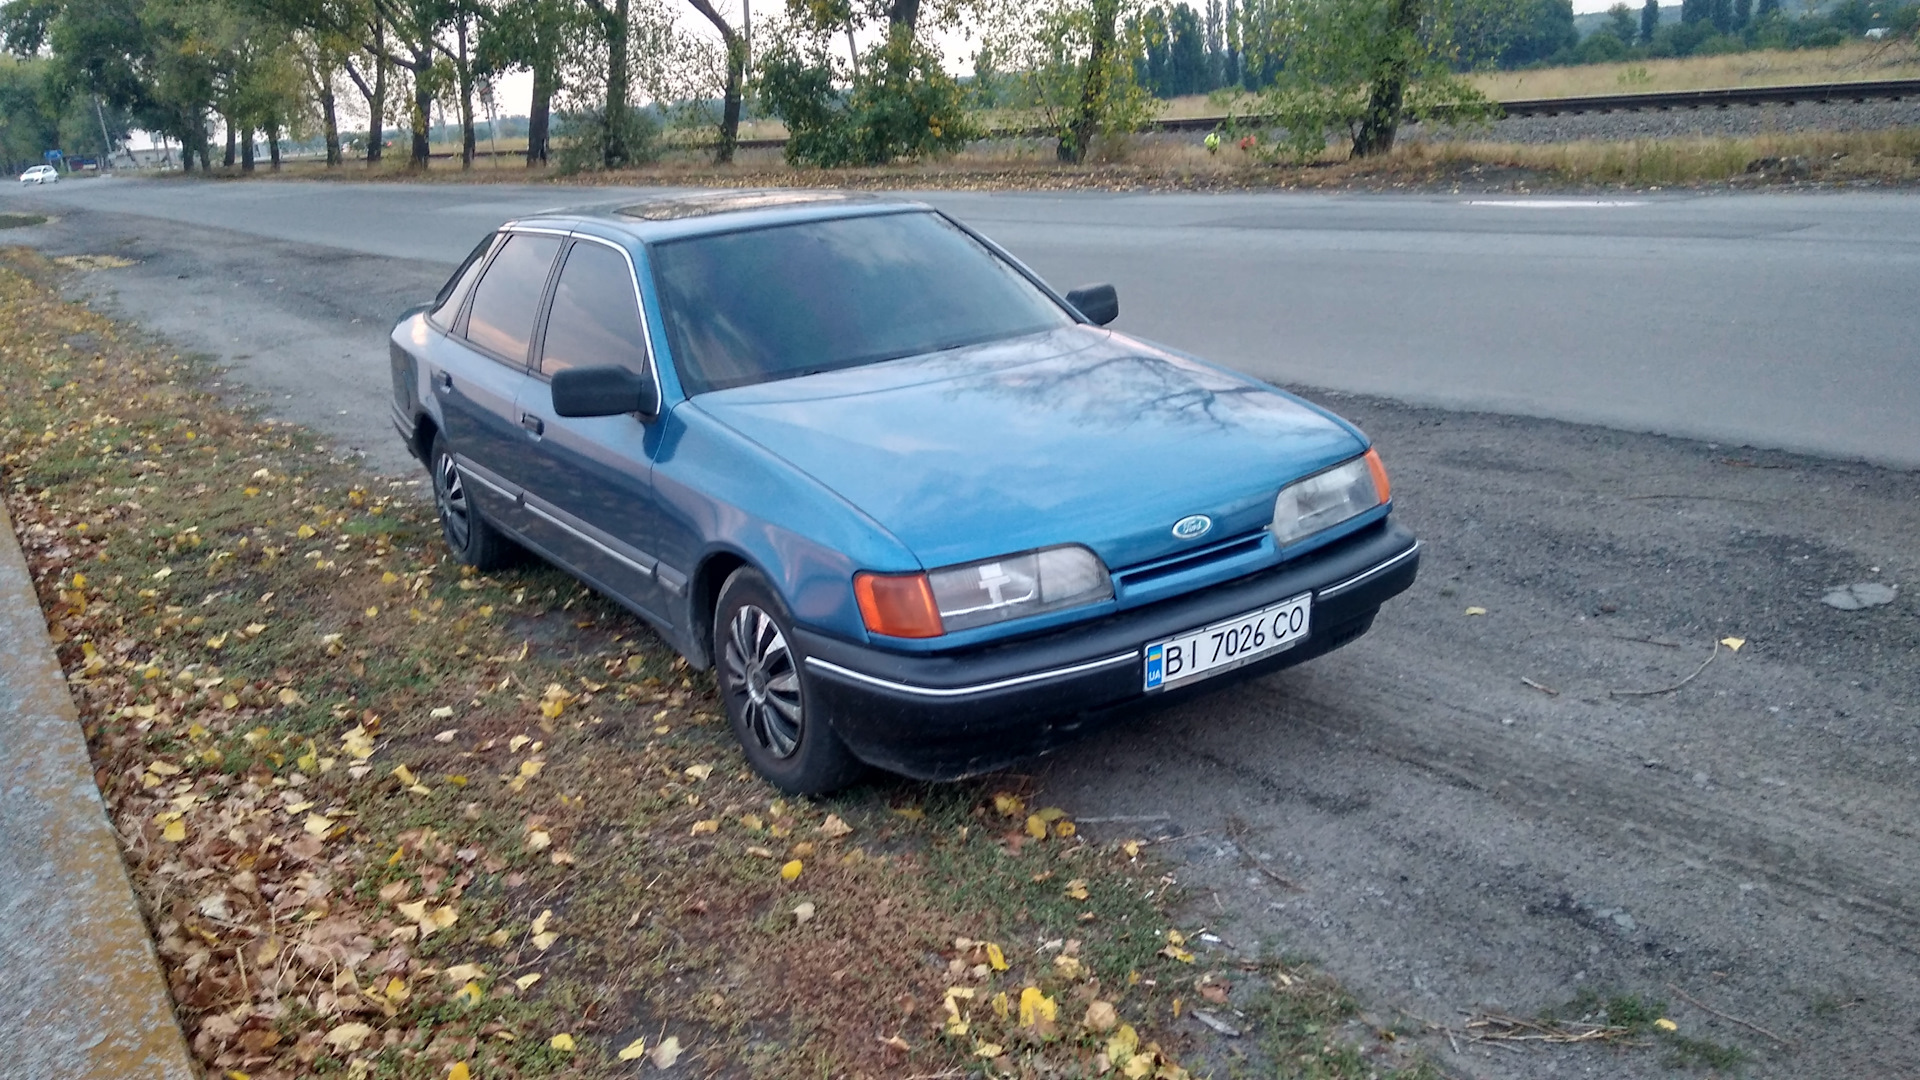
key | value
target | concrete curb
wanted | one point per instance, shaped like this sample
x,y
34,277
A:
x,y
81,993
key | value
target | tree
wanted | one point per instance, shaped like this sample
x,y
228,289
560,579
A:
x,y
1742,14
1186,53
530,34
900,103
1693,11
1364,67
1620,20
735,47
1720,13
1649,21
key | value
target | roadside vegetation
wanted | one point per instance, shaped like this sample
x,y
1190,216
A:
x,y
390,818
617,83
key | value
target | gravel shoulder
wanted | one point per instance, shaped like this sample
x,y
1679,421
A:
x,y
1459,839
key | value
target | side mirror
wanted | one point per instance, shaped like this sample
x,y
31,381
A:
x,y
603,391
1099,303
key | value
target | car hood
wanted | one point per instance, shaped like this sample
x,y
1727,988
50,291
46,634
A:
x,y
1076,435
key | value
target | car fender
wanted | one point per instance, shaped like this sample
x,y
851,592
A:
x,y
724,497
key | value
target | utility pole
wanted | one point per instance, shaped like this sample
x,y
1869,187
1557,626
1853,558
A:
x,y
746,30
106,140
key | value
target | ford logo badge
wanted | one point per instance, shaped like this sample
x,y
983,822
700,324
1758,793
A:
x,y
1192,527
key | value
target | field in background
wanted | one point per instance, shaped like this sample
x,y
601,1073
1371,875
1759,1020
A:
x,y
1853,62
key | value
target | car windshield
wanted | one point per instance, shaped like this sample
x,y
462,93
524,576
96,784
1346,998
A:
x,y
773,303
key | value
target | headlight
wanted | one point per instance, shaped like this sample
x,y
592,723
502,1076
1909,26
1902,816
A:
x,y
1328,498
978,594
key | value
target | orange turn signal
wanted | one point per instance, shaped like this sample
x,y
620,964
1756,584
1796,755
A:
x,y
898,605
1380,485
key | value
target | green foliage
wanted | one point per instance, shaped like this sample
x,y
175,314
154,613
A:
x,y
900,104
1077,71
634,137
1361,68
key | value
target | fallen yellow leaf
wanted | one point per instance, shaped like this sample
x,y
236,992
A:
x,y
1077,889
988,1050
175,831
1035,1008
834,828
633,1050
790,871
1101,1017
562,1042
538,839
469,994
1665,1024
995,957
1007,804
459,1071
1733,643
699,772
464,972
1476,611
1036,827
702,828
349,1037
526,981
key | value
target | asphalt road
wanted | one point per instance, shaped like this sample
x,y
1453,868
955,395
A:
x,y
1455,838
1783,321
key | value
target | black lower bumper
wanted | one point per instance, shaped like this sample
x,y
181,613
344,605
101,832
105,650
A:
x,y
942,717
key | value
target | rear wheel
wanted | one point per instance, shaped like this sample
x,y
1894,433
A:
x,y
764,686
472,537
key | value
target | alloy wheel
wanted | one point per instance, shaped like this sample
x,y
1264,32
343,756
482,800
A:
x,y
761,674
451,494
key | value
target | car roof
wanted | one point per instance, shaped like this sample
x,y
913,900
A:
x,y
654,218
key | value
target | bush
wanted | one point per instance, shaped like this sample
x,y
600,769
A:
x,y
902,104
585,135
1600,47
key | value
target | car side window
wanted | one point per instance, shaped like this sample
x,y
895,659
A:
x,y
595,317
447,304
508,297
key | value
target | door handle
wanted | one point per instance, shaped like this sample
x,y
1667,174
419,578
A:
x,y
443,382
533,424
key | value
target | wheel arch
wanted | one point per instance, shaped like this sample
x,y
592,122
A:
x,y
703,592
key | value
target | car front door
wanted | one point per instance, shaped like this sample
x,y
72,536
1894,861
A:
x,y
485,372
589,480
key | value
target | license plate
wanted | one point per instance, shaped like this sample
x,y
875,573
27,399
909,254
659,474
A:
x,y
1223,646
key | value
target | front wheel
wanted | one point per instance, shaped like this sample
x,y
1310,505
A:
x,y
764,686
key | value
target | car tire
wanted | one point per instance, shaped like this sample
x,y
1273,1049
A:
x,y
474,540
764,686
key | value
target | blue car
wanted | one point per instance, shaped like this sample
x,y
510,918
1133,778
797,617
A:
x,y
918,510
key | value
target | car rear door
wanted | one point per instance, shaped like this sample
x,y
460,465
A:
x,y
486,371
589,480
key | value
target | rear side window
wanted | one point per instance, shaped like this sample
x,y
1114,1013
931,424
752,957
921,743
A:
x,y
595,318
508,297
447,304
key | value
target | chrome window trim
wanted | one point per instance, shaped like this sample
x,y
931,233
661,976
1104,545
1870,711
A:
x,y
639,304
1360,578
978,688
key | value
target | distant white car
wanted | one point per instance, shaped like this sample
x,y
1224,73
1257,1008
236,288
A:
x,y
40,174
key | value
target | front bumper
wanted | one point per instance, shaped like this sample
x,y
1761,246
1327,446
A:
x,y
948,716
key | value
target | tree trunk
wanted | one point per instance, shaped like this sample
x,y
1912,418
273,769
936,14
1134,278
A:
x,y
246,149
614,150
736,71
466,97
377,104
1093,89
903,14
1390,74
273,145
228,163
329,116
422,111
539,115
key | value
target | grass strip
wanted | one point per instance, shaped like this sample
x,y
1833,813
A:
x,y
389,818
